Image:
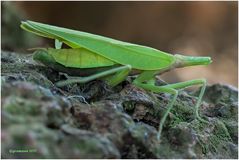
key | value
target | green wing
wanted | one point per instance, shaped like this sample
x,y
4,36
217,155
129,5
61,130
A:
x,y
139,57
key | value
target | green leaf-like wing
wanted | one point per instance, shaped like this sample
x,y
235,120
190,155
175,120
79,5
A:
x,y
139,57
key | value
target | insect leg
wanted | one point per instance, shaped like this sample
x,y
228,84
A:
x,y
182,85
172,89
92,77
158,89
118,76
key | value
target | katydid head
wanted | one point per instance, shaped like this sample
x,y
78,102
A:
x,y
184,61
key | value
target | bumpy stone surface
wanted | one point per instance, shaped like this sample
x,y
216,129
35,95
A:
x,y
93,120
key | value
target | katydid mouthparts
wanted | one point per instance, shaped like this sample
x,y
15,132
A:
x,y
93,57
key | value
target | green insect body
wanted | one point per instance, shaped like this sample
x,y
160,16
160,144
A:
x,y
93,57
49,58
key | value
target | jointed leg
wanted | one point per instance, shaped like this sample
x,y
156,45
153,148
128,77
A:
x,y
170,88
147,77
162,89
118,77
121,69
190,83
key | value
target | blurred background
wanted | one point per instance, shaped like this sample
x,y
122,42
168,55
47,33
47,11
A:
x,y
189,28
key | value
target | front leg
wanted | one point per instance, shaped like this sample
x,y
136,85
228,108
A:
x,y
182,85
142,82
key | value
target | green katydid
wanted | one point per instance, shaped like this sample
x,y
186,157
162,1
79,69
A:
x,y
96,57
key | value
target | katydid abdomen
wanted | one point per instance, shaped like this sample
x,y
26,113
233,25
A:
x,y
45,57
